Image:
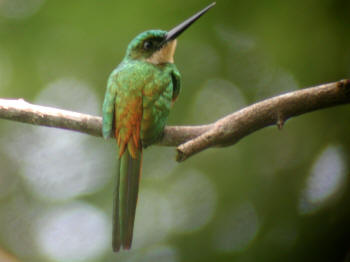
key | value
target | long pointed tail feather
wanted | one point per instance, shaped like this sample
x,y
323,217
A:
x,y
125,199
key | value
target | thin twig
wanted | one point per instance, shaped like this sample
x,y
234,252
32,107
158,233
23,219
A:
x,y
193,139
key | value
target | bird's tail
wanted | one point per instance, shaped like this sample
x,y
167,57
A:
x,y
125,199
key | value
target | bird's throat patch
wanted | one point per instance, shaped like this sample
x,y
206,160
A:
x,y
164,55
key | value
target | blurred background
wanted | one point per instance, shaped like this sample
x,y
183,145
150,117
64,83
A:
x,y
274,196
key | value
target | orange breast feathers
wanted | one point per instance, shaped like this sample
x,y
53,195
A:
x,y
128,116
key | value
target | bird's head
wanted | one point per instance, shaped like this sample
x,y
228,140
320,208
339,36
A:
x,y
158,46
151,46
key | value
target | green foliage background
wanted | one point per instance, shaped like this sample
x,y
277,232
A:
x,y
275,196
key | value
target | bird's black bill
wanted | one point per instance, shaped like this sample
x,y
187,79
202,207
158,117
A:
x,y
176,31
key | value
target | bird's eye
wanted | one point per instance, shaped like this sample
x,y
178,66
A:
x,y
147,45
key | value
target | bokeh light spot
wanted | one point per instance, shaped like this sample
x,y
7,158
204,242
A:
x,y
153,219
59,169
57,164
19,9
159,163
183,204
237,229
223,98
8,179
204,59
235,39
74,232
326,180
70,94
17,220
193,199
276,81
252,69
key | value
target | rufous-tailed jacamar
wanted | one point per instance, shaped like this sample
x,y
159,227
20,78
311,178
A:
x,y
140,92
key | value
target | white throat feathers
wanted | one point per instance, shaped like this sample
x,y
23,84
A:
x,y
163,55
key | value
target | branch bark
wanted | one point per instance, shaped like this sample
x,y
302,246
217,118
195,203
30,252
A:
x,y
7,257
273,111
193,139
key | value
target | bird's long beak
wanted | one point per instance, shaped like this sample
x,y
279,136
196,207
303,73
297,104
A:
x,y
176,31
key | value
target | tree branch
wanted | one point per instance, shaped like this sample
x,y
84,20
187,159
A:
x,y
230,129
7,257
22,111
193,139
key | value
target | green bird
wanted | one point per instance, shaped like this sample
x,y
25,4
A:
x,y
139,95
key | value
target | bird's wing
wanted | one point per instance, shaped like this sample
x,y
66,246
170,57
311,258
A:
x,y
176,82
128,116
108,106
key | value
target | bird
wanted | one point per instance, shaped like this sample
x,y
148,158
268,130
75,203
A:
x,y
140,92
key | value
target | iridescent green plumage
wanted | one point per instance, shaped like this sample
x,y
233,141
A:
x,y
137,103
140,92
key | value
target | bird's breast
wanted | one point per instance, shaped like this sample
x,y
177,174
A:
x,y
157,95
